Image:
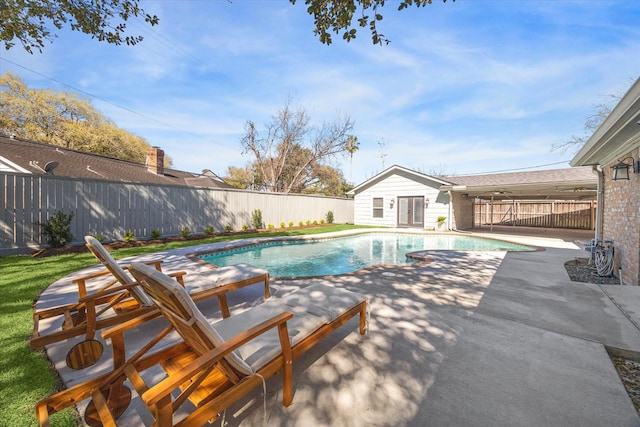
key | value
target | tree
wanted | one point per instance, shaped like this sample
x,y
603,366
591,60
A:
x,y
352,146
338,17
287,156
242,178
30,21
601,111
63,119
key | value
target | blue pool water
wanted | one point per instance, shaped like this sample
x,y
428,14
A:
x,y
347,254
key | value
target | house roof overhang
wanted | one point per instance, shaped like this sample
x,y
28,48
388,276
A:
x,y
617,135
557,184
564,190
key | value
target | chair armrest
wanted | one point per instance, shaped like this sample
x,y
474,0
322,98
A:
x,y
91,276
161,390
130,324
107,292
157,264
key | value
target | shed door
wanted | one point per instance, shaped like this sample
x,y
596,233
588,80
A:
x,y
411,212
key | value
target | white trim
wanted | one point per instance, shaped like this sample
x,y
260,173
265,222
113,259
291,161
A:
x,y
7,165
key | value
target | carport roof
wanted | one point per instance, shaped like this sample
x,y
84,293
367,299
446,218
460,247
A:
x,y
570,183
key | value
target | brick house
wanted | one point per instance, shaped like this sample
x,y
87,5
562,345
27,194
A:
x,y
614,149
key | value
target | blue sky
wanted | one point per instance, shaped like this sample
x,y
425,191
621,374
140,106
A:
x,y
464,87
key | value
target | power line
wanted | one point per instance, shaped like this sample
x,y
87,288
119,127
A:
x,y
518,169
114,104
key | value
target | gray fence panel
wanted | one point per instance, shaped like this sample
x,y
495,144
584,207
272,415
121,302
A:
x,y
112,208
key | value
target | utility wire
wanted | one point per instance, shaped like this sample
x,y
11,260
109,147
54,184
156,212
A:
x,y
517,169
116,105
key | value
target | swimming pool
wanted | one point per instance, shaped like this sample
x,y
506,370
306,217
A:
x,y
323,257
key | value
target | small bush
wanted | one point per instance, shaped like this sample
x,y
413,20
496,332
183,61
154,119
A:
x,y
209,231
129,236
245,227
228,228
308,222
58,229
315,222
256,218
282,224
329,217
185,232
156,234
322,221
290,224
99,237
270,226
300,224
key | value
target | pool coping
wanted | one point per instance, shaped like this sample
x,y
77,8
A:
x,y
421,255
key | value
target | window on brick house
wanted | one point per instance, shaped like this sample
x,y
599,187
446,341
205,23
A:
x,y
378,211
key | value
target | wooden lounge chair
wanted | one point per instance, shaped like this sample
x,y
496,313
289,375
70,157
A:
x,y
119,299
215,364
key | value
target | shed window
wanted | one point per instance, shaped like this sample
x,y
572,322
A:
x,y
378,211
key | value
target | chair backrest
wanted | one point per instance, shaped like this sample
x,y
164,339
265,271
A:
x,y
176,304
105,258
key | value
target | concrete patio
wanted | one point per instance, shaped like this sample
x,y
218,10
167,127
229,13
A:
x,y
469,339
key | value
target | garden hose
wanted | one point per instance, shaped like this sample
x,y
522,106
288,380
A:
x,y
603,259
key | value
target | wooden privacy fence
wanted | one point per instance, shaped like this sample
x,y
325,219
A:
x,y
548,214
112,208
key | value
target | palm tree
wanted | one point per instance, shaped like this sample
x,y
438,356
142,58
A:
x,y
352,145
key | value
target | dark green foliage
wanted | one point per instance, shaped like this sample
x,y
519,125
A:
x,y
329,217
58,229
256,219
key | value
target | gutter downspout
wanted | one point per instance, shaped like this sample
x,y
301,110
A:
x,y
450,212
597,169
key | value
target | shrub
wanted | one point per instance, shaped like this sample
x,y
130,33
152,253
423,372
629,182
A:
x,y
282,224
270,226
308,222
129,236
322,221
156,234
99,237
58,229
300,224
290,224
209,231
245,227
228,228
329,217
185,232
256,218
315,222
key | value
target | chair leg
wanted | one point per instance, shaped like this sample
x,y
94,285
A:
x,y
363,318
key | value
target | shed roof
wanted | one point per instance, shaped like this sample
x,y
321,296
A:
x,y
19,156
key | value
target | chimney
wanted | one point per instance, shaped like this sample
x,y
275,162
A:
x,y
155,161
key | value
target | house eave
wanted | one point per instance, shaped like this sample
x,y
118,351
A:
x,y
618,134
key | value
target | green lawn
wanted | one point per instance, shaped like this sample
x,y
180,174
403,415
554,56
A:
x,y
25,375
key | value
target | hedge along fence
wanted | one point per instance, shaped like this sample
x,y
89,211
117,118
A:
x,y
113,208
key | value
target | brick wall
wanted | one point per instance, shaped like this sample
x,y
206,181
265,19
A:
x,y
621,222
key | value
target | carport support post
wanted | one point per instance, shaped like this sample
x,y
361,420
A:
x,y
491,223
